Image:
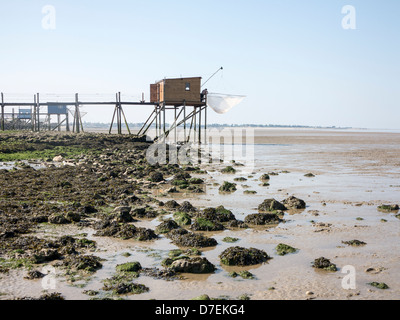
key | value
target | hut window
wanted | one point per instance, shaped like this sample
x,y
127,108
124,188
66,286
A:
x,y
187,86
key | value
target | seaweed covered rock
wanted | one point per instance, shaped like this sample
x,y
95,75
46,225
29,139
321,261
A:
x,y
34,274
145,213
46,255
271,205
265,177
203,224
193,265
122,214
156,176
379,285
354,243
227,187
238,256
124,288
229,169
236,224
86,263
260,219
324,263
187,207
182,218
125,232
134,266
166,226
294,203
184,238
284,249
171,204
58,219
219,214
388,207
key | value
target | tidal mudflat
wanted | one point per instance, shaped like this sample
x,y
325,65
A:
x,y
87,217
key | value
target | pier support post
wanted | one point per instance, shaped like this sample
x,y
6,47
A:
x,y
2,112
38,112
184,120
77,116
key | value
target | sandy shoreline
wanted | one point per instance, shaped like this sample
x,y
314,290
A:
x,y
354,173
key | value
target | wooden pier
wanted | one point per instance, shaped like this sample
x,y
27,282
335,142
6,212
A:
x,y
190,115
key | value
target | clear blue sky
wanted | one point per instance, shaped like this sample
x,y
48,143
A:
x,y
292,58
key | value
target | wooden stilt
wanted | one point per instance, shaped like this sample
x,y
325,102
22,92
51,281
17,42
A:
x,y
38,112
2,112
184,119
164,124
175,121
33,116
205,124
67,121
77,115
200,126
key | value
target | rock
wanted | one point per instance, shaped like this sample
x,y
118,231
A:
x,y
58,219
156,176
227,187
139,234
55,296
203,224
172,190
240,179
171,204
196,181
238,256
283,249
124,232
182,218
230,239
260,219
187,207
193,265
34,274
219,214
129,267
354,243
145,212
122,215
323,263
87,263
164,274
229,170
309,175
73,216
265,177
386,207
58,159
374,270
184,238
379,285
236,224
126,288
166,226
89,209
271,205
294,203
46,255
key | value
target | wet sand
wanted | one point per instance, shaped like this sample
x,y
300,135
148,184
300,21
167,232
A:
x,y
354,173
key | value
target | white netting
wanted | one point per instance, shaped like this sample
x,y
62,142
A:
x,y
222,103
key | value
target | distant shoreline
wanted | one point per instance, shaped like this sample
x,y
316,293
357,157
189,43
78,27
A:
x,y
137,126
